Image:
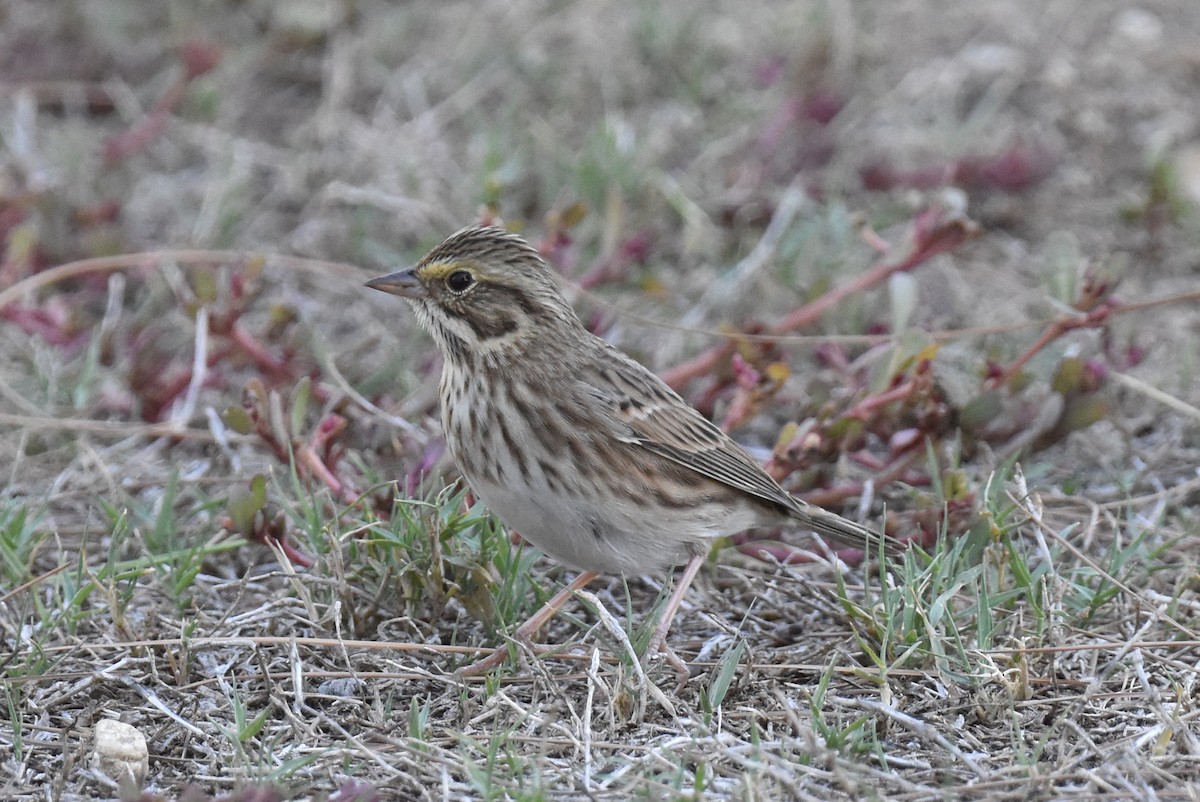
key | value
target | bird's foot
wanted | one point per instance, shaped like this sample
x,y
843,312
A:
x,y
682,672
524,634
486,664
659,650
500,654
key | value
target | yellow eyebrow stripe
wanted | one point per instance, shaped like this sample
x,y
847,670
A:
x,y
437,271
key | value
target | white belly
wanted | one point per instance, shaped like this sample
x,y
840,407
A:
x,y
607,535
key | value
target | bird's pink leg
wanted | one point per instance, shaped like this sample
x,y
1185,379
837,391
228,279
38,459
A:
x,y
685,581
658,641
526,631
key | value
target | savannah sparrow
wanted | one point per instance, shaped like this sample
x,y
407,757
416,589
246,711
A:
x,y
586,453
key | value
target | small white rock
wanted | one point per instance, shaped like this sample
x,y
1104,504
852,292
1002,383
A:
x,y
120,751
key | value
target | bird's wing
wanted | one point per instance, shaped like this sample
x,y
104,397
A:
x,y
652,415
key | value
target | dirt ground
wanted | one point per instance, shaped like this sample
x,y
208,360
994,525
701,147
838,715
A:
x,y
261,160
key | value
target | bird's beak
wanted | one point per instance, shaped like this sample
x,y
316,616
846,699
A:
x,y
403,283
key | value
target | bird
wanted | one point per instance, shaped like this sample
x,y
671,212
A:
x,y
582,450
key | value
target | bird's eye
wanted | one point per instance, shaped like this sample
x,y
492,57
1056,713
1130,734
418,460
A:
x,y
459,280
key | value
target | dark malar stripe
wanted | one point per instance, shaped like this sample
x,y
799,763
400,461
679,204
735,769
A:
x,y
456,349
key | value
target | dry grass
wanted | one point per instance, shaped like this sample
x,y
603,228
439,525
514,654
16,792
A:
x,y
732,165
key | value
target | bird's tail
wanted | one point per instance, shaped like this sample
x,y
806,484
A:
x,y
844,531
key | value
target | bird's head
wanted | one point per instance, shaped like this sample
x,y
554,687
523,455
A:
x,y
483,292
